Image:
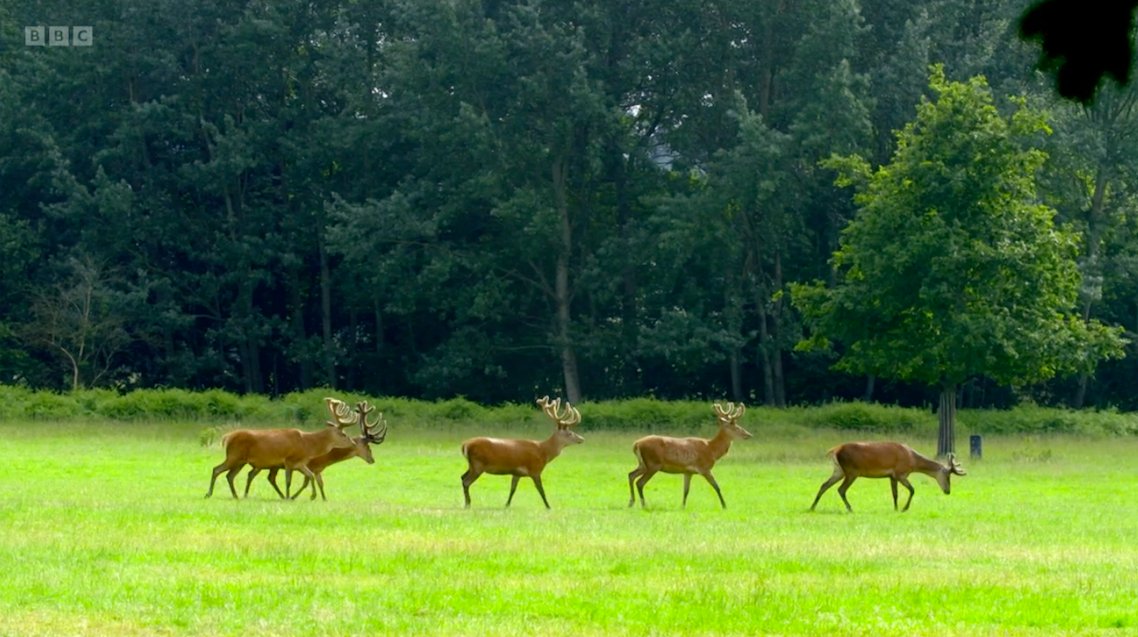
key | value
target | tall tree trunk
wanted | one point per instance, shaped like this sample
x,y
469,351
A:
x,y
629,285
765,354
946,421
299,334
770,358
736,376
870,381
329,356
1092,272
562,291
779,379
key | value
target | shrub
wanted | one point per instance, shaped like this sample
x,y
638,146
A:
x,y
458,409
1035,419
47,405
640,415
859,416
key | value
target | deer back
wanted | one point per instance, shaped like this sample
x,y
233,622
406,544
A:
x,y
275,447
503,455
260,447
677,454
875,459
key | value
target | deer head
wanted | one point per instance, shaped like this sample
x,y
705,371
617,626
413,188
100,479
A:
x,y
943,476
565,419
372,433
728,418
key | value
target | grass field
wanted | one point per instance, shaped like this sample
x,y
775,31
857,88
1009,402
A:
x,y
106,532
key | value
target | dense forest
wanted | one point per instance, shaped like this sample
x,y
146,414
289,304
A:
x,y
499,198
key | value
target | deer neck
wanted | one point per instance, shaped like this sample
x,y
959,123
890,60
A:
x,y
551,447
927,466
720,444
322,441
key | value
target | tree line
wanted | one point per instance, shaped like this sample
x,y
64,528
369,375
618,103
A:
x,y
492,199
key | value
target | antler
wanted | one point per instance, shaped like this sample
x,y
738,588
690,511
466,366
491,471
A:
x,y
953,467
564,419
731,412
341,412
372,431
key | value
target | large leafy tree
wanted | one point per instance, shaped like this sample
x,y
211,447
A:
x,y
952,269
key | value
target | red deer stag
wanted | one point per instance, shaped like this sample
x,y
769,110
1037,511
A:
x,y
686,455
267,448
518,458
373,433
891,460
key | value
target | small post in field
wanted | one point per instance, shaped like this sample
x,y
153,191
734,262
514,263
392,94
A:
x,y
975,447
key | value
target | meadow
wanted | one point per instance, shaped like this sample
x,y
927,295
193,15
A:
x,y
107,532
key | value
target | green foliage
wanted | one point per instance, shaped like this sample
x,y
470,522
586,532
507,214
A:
x,y
180,404
437,199
221,410
1033,419
858,416
951,269
649,415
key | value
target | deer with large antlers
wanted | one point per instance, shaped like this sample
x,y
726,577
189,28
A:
x,y
521,458
891,460
268,448
688,456
372,433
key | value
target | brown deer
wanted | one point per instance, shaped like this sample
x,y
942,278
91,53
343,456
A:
x,y
686,455
518,458
891,460
267,448
373,433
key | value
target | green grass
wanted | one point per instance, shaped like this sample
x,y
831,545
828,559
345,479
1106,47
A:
x,y
106,532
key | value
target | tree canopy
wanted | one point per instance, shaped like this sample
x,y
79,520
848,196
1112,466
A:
x,y
952,268
434,198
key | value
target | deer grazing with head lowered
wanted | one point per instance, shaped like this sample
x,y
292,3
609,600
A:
x,y
686,455
521,458
268,448
891,460
371,433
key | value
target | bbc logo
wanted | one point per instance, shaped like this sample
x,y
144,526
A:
x,y
58,36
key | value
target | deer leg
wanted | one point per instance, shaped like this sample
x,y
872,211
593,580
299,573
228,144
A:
x,y
249,480
468,479
513,487
687,485
631,492
893,488
273,481
905,481
230,475
319,483
540,490
308,476
842,491
715,485
288,481
303,486
218,470
644,478
831,481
